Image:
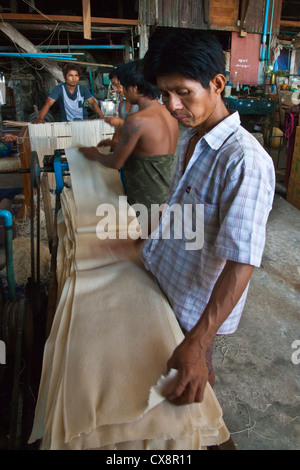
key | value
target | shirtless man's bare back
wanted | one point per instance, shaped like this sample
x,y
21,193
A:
x,y
149,134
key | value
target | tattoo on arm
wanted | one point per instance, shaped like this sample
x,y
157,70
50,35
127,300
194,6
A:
x,y
128,130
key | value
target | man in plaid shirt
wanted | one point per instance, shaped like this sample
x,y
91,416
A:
x,y
223,167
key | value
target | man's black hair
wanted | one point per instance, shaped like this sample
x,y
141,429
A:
x,y
193,54
67,67
113,73
132,74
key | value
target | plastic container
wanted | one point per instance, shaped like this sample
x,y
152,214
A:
x,y
277,136
259,137
4,149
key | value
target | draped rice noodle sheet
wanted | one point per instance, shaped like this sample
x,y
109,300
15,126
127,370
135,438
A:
x,y
104,364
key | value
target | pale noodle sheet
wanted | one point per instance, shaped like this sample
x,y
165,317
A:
x,y
104,363
47,137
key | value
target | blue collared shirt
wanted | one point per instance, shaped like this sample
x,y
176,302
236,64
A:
x,y
233,177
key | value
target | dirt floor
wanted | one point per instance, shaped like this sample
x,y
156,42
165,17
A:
x,y
257,381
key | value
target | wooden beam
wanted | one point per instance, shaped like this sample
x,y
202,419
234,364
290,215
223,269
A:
x,y
67,19
27,46
291,24
104,66
78,28
86,13
244,7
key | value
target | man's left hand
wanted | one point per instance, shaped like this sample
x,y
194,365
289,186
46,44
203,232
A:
x,y
90,152
8,137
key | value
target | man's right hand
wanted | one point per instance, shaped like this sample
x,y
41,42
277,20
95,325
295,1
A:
x,y
105,143
189,359
90,152
39,121
114,121
8,137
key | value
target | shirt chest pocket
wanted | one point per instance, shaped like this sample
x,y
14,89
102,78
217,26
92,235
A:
x,y
202,210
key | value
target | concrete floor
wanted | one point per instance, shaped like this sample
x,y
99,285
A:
x,y
257,383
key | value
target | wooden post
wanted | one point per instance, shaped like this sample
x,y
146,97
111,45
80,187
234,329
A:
x,y
127,51
25,149
244,7
144,40
47,209
86,13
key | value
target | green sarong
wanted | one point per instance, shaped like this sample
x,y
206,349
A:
x,y
148,179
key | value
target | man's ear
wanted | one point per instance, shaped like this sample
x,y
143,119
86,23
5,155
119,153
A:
x,y
218,83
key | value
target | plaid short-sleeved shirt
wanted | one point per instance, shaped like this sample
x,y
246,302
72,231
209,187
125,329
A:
x,y
233,177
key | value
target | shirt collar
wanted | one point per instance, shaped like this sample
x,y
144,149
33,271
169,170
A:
x,y
215,137
223,130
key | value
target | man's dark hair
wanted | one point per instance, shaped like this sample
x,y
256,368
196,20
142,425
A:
x,y
132,74
193,54
113,74
67,67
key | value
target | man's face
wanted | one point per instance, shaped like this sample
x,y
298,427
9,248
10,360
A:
x,y
117,87
72,78
187,100
131,94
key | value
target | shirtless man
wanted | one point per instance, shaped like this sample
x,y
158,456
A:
x,y
147,141
124,109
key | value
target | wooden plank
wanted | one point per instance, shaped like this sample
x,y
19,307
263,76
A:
x,y
291,24
123,29
86,13
68,19
27,46
223,12
95,64
16,123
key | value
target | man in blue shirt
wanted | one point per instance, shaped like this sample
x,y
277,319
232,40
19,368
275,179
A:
x,y
71,97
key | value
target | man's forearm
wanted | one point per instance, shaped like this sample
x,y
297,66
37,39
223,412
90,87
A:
x,y
96,108
42,113
44,110
226,293
189,356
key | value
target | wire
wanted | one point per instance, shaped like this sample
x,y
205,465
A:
x,y
50,36
37,10
17,47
